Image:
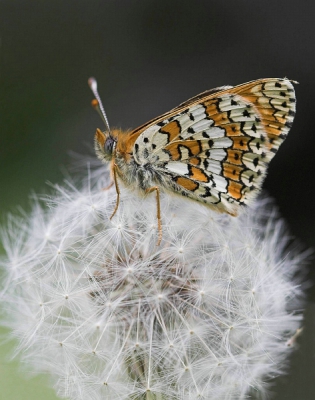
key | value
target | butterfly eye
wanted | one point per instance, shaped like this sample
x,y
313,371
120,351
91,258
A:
x,y
109,145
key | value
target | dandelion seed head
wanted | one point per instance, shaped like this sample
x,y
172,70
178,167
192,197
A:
x,y
108,314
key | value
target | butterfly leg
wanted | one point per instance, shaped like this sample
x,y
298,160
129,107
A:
x,y
117,190
158,211
108,186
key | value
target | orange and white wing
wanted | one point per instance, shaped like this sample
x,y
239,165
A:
x,y
215,148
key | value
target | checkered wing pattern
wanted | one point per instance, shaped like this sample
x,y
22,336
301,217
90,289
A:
x,y
215,147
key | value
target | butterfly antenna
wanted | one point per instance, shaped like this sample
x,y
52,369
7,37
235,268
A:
x,y
97,102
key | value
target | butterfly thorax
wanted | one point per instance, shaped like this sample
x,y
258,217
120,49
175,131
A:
x,y
134,175
117,147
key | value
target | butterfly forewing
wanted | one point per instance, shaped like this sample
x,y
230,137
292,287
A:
x,y
215,147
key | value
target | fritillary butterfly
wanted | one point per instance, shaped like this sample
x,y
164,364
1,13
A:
x,y
213,148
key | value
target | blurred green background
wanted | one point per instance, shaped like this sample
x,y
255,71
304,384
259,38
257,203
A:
x,y
149,56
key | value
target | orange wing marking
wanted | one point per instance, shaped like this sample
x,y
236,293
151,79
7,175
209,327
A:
x,y
234,156
198,175
186,183
173,130
232,171
195,161
235,189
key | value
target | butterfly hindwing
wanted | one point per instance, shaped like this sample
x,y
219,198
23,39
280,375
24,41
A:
x,y
215,147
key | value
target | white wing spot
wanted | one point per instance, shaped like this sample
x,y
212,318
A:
x,y
177,167
214,166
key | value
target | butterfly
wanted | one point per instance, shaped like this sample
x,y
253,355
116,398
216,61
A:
x,y
214,148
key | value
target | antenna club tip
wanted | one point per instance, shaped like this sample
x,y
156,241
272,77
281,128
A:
x,y
92,83
97,103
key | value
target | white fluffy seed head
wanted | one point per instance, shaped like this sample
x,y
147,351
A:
x,y
109,315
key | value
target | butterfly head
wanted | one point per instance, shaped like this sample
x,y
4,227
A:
x,y
104,145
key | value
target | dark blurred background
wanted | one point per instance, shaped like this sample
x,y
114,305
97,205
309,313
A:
x,y
148,57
